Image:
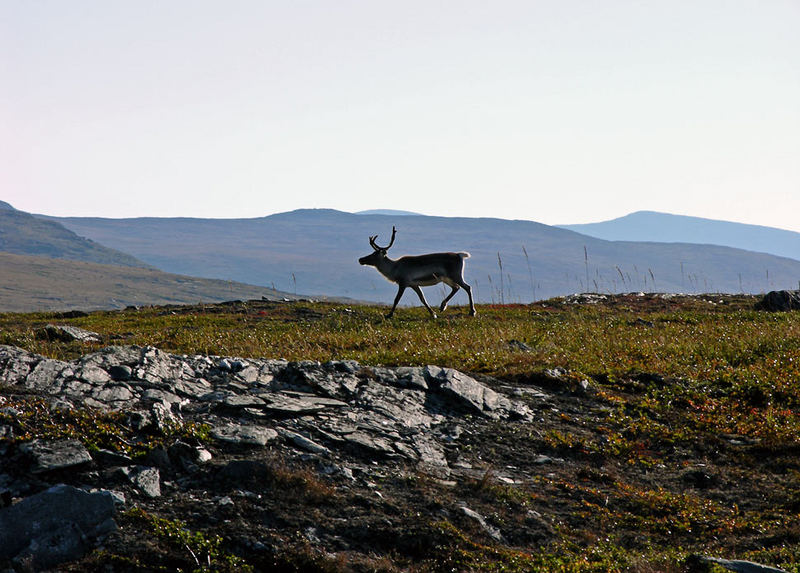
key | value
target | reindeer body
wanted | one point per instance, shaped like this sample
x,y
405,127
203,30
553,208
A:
x,y
420,270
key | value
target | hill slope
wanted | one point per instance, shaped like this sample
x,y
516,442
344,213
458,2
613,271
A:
x,y
24,234
316,251
666,228
39,283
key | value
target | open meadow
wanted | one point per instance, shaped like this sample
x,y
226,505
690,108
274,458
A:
x,y
670,429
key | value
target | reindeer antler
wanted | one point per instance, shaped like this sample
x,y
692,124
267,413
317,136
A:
x,y
375,246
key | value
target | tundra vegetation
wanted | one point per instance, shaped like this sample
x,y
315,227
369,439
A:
x,y
674,431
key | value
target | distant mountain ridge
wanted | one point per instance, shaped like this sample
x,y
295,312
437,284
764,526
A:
x,y
386,212
315,251
668,228
45,266
23,234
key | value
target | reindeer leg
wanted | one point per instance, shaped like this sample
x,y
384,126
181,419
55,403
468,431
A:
x,y
448,297
468,288
424,302
472,311
400,290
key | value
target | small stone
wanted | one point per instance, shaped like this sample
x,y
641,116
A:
x,y
304,443
493,532
519,345
146,479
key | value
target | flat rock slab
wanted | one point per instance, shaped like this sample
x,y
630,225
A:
x,y
304,443
244,434
55,455
740,566
69,333
298,404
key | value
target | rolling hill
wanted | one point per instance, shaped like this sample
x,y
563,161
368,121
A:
x,y
30,283
666,228
23,234
45,266
315,251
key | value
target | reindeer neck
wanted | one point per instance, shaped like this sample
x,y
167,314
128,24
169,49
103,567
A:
x,y
387,267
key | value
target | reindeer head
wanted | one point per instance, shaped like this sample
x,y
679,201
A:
x,y
379,252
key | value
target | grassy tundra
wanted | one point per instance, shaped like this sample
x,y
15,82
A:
x,y
685,441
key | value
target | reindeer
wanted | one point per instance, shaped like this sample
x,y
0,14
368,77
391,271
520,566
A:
x,y
418,271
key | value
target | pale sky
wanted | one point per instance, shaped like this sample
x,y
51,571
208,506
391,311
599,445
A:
x,y
552,111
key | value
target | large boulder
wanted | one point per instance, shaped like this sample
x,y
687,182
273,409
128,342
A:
x,y
780,300
54,526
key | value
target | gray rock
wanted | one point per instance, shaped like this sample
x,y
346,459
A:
x,y
159,418
464,391
242,401
55,455
68,333
411,377
327,381
519,345
298,403
244,434
193,388
146,479
44,376
379,412
740,566
373,445
16,364
304,443
157,395
188,457
54,526
93,375
493,532
114,393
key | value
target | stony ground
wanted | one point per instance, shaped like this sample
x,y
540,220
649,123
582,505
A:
x,y
233,463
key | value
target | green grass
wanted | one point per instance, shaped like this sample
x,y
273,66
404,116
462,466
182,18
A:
x,y
672,383
730,369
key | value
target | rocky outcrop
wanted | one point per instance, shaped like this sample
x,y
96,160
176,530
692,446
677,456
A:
x,y
333,411
340,405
